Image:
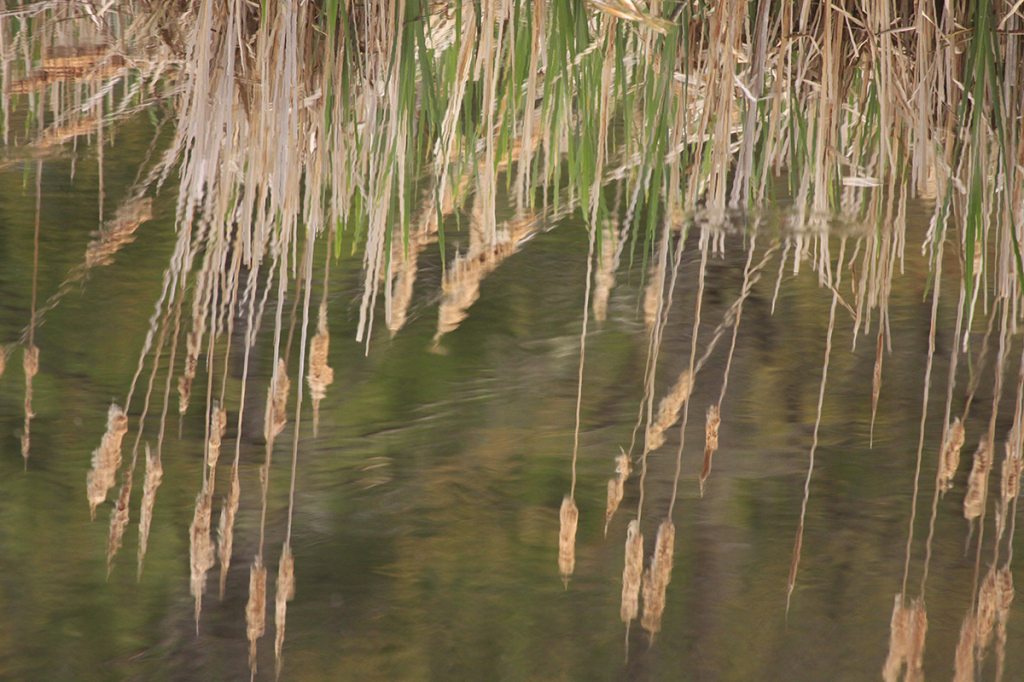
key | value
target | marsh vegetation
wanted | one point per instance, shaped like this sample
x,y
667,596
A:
x,y
745,275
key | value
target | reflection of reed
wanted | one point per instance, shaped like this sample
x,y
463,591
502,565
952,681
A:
x,y
461,286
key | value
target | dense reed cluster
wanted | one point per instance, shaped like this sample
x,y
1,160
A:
x,y
295,122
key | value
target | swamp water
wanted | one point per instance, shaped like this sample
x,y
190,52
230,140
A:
x,y
425,527
440,472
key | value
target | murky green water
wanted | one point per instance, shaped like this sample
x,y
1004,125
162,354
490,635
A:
x,y
426,519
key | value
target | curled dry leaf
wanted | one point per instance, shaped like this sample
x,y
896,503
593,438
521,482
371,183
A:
x,y
106,459
154,474
632,571
568,518
949,458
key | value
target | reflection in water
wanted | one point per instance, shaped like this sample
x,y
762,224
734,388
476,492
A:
x,y
443,566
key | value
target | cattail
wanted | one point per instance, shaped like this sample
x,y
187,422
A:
x,y
184,394
1013,464
218,424
657,577
106,459
668,410
277,402
285,593
604,278
568,517
320,374
3,360
652,299
949,459
30,364
616,487
30,361
917,621
899,625
119,520
963,665
988,602
201,552
631,573
256,608
226,528
710,443
1004,597
154,473
977,482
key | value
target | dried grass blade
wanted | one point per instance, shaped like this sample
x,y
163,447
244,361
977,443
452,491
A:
x,y
154,474
710,443
568,518
285,593
106,459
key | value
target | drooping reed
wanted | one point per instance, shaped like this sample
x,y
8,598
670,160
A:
x,y
949,458
668,410
201,550
226,527
616,488
321,375
977,482
256,609
710,443
119,520
285,592
277,402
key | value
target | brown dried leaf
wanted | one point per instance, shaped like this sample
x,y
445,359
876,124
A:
x,y
568,518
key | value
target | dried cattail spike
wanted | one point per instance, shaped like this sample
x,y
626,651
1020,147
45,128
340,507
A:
x,y
917,621
218,424
657,577
1012,467
154,473
30,361
949,458
977,482
277,402
899,625
320,374
106,459
256,608
963,665
710,443
285,593
201,552
568,518
616,487
634,565
3,360
1004,597
119,520
668,408
226,528
184,394
988,603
